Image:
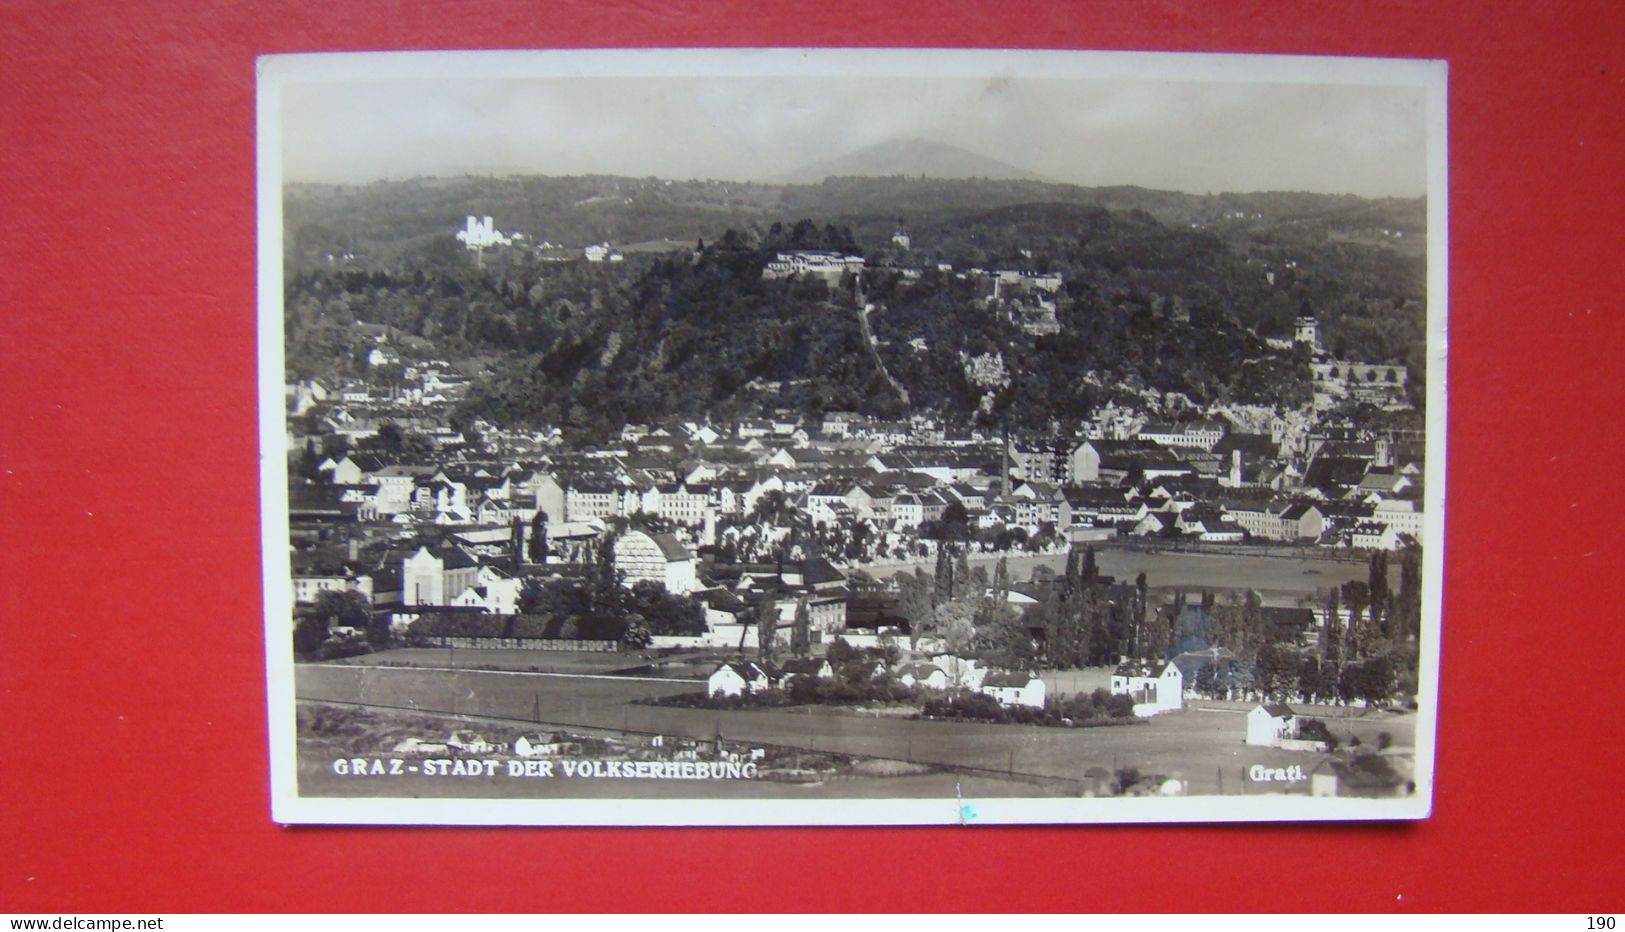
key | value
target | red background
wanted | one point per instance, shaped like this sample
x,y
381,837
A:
x,y
131,669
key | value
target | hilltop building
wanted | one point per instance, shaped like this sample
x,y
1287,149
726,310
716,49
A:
x,y
480,233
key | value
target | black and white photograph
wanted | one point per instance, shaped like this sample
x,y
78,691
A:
x,y
851,436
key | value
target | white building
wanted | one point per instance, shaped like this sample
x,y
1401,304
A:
x,y
1156,686
927,675
656,557
1401,515
1269,725
1022,689
829,266
543,746
737,677
480,233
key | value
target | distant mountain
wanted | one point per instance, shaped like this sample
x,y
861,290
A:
x,y
909,157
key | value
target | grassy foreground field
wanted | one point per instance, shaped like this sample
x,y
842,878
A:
x,y
1204,747
337,734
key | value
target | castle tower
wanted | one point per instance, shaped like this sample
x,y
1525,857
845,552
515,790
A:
x,y
1307,330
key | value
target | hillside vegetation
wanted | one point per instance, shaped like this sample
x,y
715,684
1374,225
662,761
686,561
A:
x,y
1163,291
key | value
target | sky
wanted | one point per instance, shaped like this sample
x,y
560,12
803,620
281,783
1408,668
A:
x,y
1197,136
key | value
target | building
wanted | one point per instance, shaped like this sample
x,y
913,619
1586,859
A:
x,y
811,667
925,675
535,745
478,234
830,266
1302,521
1203,435
1403,516
1013,689
1307,330
737,677
435,577
1156,686
585,500
1269,725
657,558
1369,776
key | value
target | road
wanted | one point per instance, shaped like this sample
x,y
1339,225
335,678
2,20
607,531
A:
x,y
1204,747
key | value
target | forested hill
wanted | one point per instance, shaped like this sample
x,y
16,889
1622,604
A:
x,y
1175,293
388,221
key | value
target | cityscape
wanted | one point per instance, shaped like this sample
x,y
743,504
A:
x,y
935,478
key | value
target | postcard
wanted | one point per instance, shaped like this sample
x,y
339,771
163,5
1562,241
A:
x,y
830,437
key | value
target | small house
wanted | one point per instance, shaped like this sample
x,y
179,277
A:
x,y
534,745
1013,689
1270,724
1369,776
419,746
925,675
737,677
469,743
811,667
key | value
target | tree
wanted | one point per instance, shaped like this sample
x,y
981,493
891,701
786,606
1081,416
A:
x,y
1141,604
343,608
839,653
1004,642
916,601
606,591
1252,620
1275,671
1358,640
538,537
767,626
801,629
308,634
1377,587
664,612
1407,621
960,582
1373,680
942,580
636,634
954,622
531,594
1332,645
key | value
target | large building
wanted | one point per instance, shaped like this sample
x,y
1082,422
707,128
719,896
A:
x,y
829,266
658,558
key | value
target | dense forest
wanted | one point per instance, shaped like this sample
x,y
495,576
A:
x,y
1163,292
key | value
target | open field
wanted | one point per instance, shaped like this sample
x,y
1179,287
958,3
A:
x,y
1203,747
1280,580
856,780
